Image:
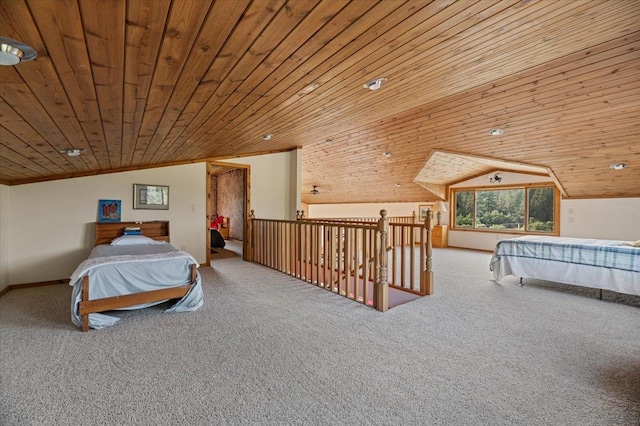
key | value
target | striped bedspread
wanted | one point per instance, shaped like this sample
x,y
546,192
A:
x,y
600,253
603,264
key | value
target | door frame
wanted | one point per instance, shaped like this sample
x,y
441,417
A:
x,y
247,206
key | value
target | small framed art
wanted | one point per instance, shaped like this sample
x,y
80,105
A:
x,y
109,210
423,209
150,197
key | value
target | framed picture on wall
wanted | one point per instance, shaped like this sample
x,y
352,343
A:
x,y
150,197
109,210
423,208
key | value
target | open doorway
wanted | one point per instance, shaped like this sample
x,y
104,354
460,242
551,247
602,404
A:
x,y
228,207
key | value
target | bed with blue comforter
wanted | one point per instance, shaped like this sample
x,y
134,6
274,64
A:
x,y
136,271
604,264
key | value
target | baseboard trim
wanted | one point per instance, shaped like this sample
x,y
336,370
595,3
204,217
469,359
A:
x,y
29,285
471,249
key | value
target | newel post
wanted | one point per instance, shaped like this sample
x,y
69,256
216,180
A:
x,y
381,290
426,283
252,216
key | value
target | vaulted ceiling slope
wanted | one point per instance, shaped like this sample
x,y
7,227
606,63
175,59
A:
x,y
140,83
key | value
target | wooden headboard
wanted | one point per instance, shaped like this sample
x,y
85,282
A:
x,y
107,231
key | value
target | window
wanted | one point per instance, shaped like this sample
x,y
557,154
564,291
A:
x,y
515,209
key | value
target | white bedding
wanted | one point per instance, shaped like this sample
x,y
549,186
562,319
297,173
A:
x,y
604,264
119,270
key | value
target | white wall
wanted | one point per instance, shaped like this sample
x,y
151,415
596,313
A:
x,y
4,236
605,218
51,223
275,185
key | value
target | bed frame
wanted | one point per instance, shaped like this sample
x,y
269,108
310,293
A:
x,y
107,231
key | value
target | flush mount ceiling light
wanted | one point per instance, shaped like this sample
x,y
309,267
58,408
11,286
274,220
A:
x,y
315,191
71,152
398,185
328,141
266,137
374,84
618,166
387,154
13,52
496,132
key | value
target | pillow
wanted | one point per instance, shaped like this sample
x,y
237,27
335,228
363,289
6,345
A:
x,y
632,243
128,240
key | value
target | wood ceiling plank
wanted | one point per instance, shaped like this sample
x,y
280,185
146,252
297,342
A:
x,y
278,63
10,171
206,48
60,26
431,39
44,84
288,17
104,25
481,101
27,106
144,31
355,42
288,78
36,158
216,84
310,119
513,86
183,26
18,162
351,18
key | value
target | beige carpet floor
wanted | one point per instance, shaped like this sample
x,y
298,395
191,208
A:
x,y
267,349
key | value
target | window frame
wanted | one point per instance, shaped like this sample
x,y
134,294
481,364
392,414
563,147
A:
x,y
525,187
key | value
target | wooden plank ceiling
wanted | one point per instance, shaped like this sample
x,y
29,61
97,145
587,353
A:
x,y
141,83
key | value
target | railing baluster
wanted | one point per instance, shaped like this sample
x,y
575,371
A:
x,y
346,256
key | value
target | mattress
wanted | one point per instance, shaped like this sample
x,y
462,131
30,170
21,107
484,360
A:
x,y
605,264
120,270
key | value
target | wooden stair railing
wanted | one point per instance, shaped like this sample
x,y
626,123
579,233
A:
x,y
359,260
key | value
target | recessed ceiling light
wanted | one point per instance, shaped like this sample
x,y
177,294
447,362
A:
x,y
387,154
266,137
618,166
13,51
71,152
496,132
398,185
375,84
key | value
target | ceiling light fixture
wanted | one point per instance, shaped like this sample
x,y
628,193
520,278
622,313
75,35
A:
x,y
496,132
266,137
328,141
13,52
497,178
374,84
618,166
72,152
315,191
387,154
398,185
